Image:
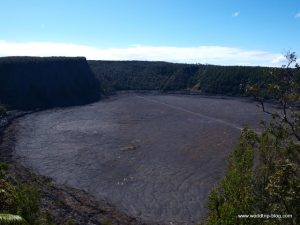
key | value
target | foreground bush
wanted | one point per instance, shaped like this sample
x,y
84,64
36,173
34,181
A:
x,y
271,187
263,176
19,203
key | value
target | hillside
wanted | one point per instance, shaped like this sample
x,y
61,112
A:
x,y
45,82
163,76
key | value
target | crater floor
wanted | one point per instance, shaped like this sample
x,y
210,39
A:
x,y
155,157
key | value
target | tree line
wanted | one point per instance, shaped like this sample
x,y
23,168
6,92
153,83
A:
x,y
163,76
262,181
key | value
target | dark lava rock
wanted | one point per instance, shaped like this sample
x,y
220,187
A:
x,y
64,205
45,82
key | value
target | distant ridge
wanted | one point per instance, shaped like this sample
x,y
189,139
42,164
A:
x,y
165,77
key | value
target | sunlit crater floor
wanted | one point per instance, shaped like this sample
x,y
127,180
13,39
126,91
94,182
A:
x,y
155,157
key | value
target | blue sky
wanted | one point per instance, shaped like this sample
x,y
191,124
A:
x,y
227,32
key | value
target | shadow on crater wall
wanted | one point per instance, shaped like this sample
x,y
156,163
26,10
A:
x,y
45,82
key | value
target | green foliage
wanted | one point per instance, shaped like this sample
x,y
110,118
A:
x,y
234,195
7,191
278,182
27,198
9,219
284,89
283,188
19,203
271,187
162,76
44,219
270,184
22,200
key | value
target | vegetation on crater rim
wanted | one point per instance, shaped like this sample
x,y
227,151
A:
x,y
263,172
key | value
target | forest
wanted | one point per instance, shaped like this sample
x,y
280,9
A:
x,y
163,76
45,82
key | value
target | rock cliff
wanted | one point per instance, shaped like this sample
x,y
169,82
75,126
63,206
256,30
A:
x,y
45,82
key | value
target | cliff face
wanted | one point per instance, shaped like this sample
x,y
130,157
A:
x,y
35,82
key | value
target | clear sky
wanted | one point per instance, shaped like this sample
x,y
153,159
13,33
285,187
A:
x,y
228,32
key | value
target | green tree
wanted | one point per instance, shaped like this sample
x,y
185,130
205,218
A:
x,y
19,203
271,184
234,195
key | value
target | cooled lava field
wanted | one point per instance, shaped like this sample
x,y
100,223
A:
x,y
155,157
